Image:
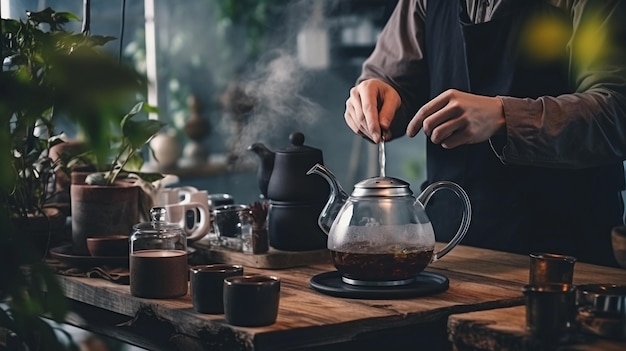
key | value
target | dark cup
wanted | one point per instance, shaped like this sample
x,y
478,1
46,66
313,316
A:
x,y
551,268
207,286
550,309
251,300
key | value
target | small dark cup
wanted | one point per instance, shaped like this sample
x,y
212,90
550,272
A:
x,y
251,300
550,309
207,286
551,268
109,246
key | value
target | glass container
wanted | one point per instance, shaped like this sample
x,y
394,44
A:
x,y
158,258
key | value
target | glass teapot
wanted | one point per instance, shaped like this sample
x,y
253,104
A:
x,y
380,234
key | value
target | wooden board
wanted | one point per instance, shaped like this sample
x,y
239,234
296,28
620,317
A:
x,y
306,318
273,259
505,329
479,280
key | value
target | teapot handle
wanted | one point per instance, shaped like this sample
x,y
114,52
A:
x,y
467,212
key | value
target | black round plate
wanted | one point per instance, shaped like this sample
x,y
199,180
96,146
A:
x,y
426,283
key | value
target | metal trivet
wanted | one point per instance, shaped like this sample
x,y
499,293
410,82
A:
x,y
377,282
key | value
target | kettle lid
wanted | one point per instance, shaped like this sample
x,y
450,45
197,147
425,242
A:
x,y
297,145
382,187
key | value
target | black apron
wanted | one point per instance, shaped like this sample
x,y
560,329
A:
x,y
514,208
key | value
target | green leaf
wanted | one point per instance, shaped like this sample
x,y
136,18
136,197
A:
x,y
138,133
65,17
149,176
55,301
10,26
98,40
134,163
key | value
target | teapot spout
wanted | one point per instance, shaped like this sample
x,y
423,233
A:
x,y
336,199
266,166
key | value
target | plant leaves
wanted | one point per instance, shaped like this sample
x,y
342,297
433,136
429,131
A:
x,y
134,163
138,133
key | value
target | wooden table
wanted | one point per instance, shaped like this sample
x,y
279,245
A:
x,y
308,320
504,329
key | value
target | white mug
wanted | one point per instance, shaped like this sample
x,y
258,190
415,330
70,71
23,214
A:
x,y
201,196
166,196
193,217
185,192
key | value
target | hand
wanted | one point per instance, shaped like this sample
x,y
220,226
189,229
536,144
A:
x,y
370,109
456,118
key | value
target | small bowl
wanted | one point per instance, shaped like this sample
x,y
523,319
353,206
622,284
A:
x,y
108,246
602,299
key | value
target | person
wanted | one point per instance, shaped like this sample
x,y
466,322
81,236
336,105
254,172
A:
x,y
523,104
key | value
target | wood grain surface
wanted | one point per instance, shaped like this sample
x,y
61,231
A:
x,y
273,259
479,280
505,329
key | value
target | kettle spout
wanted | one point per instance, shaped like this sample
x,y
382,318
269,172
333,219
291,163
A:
x,y
266,166
336,199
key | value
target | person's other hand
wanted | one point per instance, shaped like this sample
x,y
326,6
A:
x,y
456,118
370,109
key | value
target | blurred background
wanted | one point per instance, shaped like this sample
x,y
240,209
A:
x,y
227,73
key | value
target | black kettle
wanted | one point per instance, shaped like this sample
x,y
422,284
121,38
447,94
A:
x,y
282,175
295,199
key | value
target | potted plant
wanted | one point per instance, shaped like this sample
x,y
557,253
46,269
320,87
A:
x,y
111,201
48,74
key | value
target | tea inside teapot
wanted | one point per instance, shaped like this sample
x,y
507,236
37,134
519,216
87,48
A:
x,y
373,256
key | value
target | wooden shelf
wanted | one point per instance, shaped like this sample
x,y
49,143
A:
x,y
216,165
209,169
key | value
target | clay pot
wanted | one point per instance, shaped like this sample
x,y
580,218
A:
x,y
43,232
99,210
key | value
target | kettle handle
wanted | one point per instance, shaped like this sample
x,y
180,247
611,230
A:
x,y
425,196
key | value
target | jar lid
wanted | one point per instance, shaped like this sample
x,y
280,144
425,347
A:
x,y
158,224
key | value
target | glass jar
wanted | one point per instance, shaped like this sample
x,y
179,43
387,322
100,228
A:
x,y
158,258
232,223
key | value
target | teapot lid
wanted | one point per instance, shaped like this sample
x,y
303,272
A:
x,y
382,187
297,145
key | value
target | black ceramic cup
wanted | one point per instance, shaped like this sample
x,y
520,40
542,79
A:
x,y
251,300
207,286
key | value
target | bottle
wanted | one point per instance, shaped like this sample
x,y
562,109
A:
x,y
158,258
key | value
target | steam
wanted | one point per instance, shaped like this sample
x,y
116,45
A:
x,y
276,91
276,86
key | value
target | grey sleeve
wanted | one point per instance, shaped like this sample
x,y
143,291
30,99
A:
x,y
398,59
